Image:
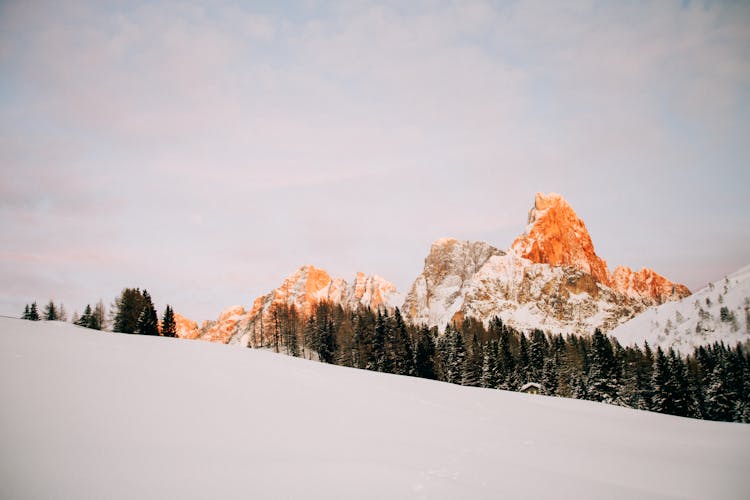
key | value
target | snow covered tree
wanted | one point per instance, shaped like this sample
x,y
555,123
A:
x,y
472,371
456,355
403,354
602,374
26,312
549,376
490,369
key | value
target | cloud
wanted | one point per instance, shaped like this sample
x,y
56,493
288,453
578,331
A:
x,y
204,142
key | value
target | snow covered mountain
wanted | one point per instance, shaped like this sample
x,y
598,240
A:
x,y
719,312
550,278
89,414
302,289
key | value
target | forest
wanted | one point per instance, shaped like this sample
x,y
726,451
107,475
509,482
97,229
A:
x,y
711,383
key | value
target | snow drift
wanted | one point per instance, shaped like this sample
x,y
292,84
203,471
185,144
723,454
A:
x,y
88,414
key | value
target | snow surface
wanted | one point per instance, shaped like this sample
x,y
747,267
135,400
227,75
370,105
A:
x,y
89,414
693,321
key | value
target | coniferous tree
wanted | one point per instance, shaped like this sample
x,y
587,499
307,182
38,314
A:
x,y
26,312
456,355
660,383
85,319
549,377
148,323
490,369
425,354
62,315
127,310
34,312
472,371
522,366
602,374
50,312
682,403
168,326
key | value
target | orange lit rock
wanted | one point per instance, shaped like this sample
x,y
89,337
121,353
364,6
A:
x,y
647,283
556,236
222,329
302,290
185,328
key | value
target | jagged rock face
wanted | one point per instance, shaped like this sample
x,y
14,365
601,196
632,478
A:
x,y
224,327
438,293
551,278
647,284
185,328
302,290
555,235
560,299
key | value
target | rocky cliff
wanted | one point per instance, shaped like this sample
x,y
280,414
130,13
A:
x,y
301,290
550,278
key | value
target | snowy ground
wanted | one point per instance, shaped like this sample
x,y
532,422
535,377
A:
x,y
88,414
695,320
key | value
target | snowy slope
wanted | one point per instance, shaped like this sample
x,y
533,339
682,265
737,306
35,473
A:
x,y
697,319
88,414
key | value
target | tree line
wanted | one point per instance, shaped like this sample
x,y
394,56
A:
x,y
713,382
132,312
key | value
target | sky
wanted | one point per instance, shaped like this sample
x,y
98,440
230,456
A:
x,y
205,150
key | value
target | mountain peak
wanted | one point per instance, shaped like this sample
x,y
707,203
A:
x,y
557,236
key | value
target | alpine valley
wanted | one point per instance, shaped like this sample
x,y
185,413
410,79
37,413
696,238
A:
x,y
550,278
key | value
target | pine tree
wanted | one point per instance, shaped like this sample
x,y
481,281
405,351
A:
x,y
490,369
26,312
505,363
34,312
403,354
148,323
522,366
456,355
62,315
602,374
472,372
661,400
99,319
425,354
127,310
549,376
50,312
682,402
168,326
85,319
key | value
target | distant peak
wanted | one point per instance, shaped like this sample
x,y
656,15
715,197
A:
x,y
544,201
444,241
557,236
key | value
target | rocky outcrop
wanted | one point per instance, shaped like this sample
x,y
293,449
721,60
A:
x,y
556,236
438,292
551,278
647,284
185,328
301,290
224,327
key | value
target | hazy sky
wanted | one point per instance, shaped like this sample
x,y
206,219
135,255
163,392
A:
x,y
206,150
